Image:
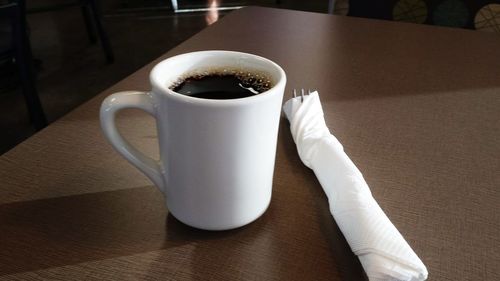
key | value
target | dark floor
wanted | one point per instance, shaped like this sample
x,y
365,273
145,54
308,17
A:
x,y
73,70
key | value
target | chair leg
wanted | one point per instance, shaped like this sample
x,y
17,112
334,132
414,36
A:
x,y
35,109
88,24
103,37
331,7
24,60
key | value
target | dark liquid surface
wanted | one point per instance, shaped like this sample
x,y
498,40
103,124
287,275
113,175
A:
x,y
218,86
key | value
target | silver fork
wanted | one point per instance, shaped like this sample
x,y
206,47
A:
x,y
302,94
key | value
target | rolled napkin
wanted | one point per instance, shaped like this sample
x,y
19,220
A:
x,y
381,249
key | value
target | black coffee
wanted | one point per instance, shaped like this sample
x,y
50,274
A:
x,y
223,85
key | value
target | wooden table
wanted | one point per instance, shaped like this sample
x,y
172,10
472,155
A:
x,y
416,107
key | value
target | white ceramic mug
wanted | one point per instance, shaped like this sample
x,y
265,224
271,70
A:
x,y
216,156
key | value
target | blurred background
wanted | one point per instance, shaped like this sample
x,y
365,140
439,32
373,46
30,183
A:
x,y
56,54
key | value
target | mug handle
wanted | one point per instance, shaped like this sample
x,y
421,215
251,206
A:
x,y
130,99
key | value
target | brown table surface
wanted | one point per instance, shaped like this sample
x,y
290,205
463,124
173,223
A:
x,y
416,107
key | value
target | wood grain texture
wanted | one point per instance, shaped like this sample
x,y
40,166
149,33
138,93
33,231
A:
x,y
421,121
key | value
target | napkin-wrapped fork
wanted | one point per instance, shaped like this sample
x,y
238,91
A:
x,y
381,249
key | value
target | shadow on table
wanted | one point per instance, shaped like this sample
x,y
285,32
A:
x,y
316,204
286,243
68,230
263,250
296,239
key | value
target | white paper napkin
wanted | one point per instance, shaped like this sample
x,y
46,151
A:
x,y
382,250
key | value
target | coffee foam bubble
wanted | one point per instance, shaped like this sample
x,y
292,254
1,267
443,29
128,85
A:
x,y
254,79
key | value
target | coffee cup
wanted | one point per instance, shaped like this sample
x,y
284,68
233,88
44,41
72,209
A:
x,y
217,156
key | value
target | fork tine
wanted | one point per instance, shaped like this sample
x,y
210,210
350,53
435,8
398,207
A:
x,y
302,94
294,93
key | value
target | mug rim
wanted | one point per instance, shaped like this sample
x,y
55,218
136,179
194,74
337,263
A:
x,y
281,81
